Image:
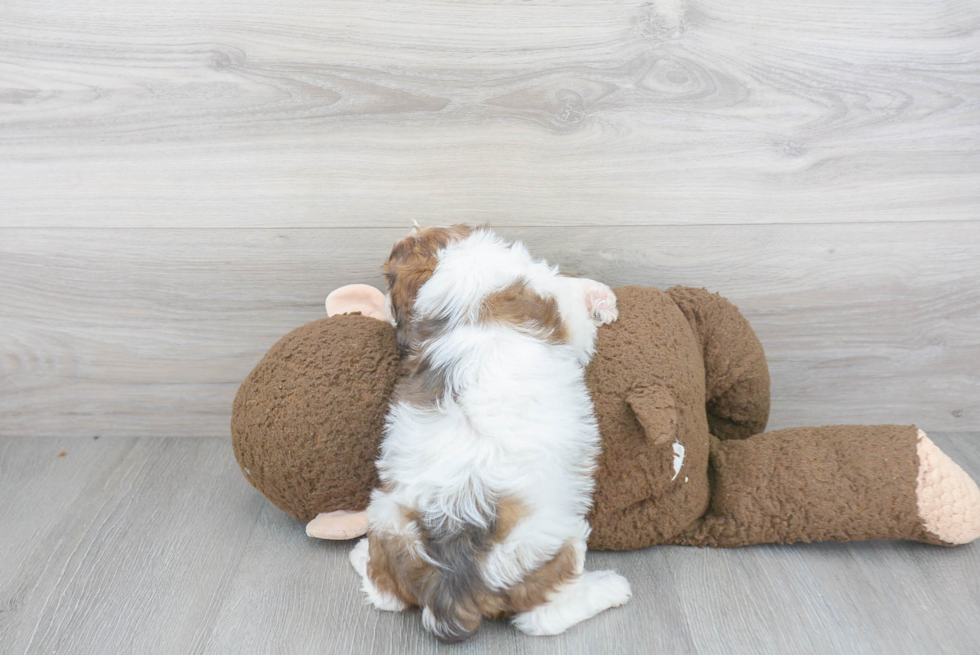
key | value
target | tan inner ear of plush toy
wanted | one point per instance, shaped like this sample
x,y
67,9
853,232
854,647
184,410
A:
x,y
361,298
948,499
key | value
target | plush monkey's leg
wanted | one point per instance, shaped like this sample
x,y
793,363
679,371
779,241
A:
x,y
840,483
735,369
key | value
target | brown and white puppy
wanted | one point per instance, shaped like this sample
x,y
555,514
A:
x,y
490,441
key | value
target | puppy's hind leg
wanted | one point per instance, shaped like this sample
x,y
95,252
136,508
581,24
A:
x,y
582,598
359,557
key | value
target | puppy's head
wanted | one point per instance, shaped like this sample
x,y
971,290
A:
x,y
412,262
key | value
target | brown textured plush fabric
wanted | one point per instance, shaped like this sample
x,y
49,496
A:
x,y
736,373
837,482
647,371
306,423
668,356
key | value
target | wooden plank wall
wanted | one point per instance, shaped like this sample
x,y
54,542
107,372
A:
x,y
182,183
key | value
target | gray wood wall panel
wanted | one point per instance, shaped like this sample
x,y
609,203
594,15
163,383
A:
x,y
149,332
180,185
349,113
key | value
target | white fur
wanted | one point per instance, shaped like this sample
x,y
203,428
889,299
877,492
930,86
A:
x,y
581,599
517,422
383,601
678,459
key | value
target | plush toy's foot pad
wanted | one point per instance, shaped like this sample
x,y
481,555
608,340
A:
x,y
338,525
948,498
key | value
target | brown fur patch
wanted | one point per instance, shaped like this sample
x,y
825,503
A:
x,y
510,511
394,568
426,388
411,264
421,383
521,307
534,589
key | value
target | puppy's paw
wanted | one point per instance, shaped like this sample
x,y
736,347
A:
x,y
601,302
359,557
609,589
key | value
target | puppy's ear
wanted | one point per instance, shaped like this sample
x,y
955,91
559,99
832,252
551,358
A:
x,y
405,272
413,261
411,264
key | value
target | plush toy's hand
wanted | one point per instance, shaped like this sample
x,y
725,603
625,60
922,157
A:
x,y
361,298
338,525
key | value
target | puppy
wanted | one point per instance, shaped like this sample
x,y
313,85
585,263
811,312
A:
x,y
490,441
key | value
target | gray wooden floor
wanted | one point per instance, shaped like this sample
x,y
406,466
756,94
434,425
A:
x,y
158,545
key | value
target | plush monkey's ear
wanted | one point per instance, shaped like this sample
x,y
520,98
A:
x,y
656,409
361,298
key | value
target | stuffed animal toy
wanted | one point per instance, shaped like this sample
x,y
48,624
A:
x,y
681,392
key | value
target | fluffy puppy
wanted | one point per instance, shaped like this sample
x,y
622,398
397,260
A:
x,y
490,440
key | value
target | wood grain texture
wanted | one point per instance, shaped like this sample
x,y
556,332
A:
x,y
136,545
569,112
150,332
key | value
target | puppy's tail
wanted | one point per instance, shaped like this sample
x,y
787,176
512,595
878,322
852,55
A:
x,y
451,608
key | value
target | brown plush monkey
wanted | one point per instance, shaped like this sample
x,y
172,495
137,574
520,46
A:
x,y
681,391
